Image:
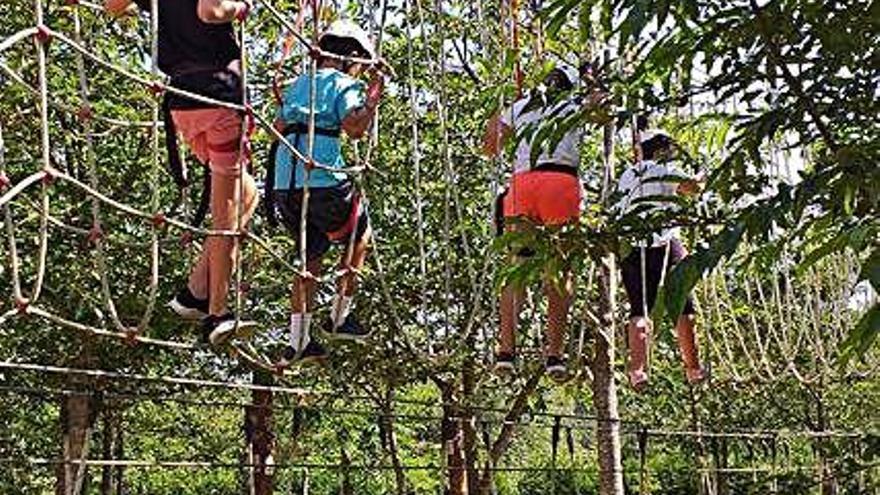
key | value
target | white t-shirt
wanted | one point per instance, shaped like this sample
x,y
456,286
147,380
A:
x,y
653,184
566,151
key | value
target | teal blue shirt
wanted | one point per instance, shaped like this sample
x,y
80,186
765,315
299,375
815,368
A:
x,y
337,94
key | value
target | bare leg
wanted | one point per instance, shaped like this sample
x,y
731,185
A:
x,y
211,273
302,298
687,344
558,302
638,332
511,303
349,280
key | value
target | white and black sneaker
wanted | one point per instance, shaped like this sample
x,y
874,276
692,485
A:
x,y
350,329
313,353
217,330
188,306
555,368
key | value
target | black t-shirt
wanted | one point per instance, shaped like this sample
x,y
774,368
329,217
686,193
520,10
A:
x,y
186,43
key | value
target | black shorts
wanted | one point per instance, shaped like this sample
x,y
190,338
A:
x,y
632,276
332,214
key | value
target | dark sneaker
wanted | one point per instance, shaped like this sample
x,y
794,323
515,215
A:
x,y
350,329
555,368
504,364
313,353
638,380
187,306
217,330
697,375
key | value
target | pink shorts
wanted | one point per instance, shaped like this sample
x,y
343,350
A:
x,y
213,135
546,197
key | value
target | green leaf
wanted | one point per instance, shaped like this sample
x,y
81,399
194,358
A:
x,y
861,337
684,277
871,269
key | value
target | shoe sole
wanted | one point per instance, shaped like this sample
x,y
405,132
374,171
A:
x,y
558,374
225,331
347,336
186,312
639,385
504,369
300,361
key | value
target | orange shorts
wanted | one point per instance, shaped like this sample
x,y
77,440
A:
x,y
213,135
545,197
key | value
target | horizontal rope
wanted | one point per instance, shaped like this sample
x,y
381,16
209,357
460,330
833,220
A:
x,y
758,434
156,464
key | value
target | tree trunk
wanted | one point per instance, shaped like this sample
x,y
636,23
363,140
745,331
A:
x,y
451,433
77,417
604,390
468,430
505,436
260,437
391,443
110,446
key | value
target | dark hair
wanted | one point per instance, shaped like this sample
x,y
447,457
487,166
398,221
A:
x,y
557,81
654,145
345,47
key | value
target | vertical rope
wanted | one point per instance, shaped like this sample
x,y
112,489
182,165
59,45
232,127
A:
x,y
243,162
303,221
45,155
154,170
417,171
96,234
10,231
448,173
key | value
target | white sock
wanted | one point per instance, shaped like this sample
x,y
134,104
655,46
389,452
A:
x,y
299,330
340,309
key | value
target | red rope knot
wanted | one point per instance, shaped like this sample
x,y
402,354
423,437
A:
x,y
21,304
158,220
242,12
49,175
186,239
315,52
310,164
279,368
4,181
44,34
157,88
85,112
348,270
96,233
250,120
131,337
306,275
246,149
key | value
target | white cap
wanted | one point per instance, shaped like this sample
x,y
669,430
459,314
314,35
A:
x,y
350,30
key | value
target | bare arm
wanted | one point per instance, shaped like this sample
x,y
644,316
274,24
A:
x,y
689,187
356,123
221,11
119,8
495,136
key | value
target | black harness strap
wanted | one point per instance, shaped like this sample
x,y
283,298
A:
x,y
556,167
298,130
